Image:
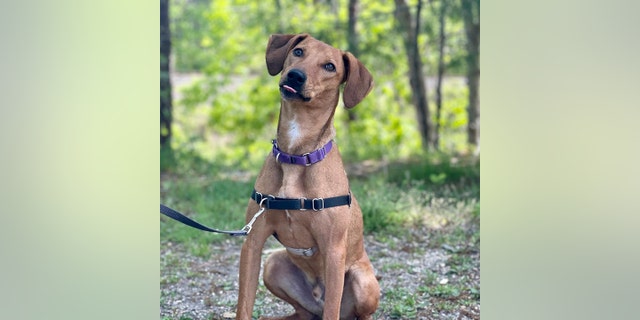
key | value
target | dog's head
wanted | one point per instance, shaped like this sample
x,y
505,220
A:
x,y
311,67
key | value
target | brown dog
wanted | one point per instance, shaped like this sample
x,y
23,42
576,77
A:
x,y
324,270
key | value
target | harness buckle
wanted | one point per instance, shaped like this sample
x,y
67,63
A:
x,y
320,205
262,203
302,200
308,159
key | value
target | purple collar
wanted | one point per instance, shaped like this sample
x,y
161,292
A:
x,y
306,159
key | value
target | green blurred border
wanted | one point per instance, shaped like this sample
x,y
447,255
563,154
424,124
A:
x,y
79,237
560,159
79,130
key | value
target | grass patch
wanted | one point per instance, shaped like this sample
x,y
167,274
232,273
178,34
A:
x,y
443,291
460,264
200,190
393,266
461,173
400,304
439,193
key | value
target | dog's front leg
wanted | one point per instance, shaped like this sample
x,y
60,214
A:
x,y
250,259
334,280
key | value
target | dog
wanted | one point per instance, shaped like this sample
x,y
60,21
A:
x,y
324,271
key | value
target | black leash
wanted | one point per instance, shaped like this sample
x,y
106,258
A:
x,y
173,214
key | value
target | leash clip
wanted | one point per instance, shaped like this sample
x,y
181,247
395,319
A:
x,y
246,229
249,225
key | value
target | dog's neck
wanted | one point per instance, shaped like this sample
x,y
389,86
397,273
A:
x,y
303,129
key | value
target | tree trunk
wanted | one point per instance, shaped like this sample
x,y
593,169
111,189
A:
x,y
471,17
441,67
353,37
279,17
354,42
165,80
409,28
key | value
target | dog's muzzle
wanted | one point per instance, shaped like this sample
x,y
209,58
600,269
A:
x,y
292,85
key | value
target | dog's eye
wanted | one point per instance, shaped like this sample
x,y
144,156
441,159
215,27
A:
x,y
297,52
330,67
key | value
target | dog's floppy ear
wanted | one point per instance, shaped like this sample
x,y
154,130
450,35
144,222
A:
x,y
359,81
278,48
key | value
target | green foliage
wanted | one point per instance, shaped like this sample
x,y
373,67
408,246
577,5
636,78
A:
x,y
225,41
389,130
188,28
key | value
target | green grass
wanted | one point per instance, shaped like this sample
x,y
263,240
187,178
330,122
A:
x,y
431,192
201,190
400,303
437,192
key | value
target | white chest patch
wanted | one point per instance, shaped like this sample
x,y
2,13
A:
x,y
294,133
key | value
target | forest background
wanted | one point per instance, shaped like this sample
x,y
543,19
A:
x,y
412,147
424,56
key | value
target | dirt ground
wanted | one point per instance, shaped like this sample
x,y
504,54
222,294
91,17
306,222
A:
x,y
206,288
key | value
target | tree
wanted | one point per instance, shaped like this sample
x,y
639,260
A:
x,y
470,10
441,68
353,37
165,80
409,28
280,24
353,40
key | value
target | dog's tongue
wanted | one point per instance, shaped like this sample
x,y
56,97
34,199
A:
x,y
292,90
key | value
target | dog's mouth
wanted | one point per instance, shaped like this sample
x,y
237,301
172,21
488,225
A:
x,y
289,92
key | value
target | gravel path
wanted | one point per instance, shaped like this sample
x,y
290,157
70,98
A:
x,y
199,288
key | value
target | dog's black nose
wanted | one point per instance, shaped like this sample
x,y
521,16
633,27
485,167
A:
x,y
296,76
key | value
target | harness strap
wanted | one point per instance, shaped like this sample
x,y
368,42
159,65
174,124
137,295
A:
x,y
267,202
315,204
